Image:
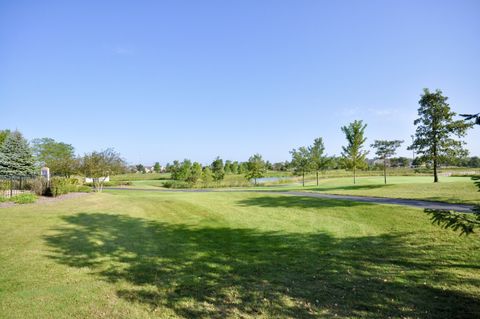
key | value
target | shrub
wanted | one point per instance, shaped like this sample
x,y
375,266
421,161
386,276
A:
x,y
39,186
59,186
26,198
3,199
177,184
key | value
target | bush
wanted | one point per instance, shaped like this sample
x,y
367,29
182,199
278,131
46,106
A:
x,y
39,186
26,198
177,184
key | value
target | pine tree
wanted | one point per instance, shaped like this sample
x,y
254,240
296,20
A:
x,y
16,157
436,128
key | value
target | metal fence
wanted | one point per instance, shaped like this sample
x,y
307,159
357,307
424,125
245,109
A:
x,y
15,185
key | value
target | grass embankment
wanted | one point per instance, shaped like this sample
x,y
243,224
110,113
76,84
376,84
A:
x,y
168,255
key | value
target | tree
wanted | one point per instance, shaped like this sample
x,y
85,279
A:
x,y
235,167
433,140
256,168
57,156
16,157
207,176
140,168
174,170
353,155
218,169
195,173
228,167
100,165
301,161
156,167
319,161
184,170
384,150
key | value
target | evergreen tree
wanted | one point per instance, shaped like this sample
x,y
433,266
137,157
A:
x,y
16,157
433,140
157,167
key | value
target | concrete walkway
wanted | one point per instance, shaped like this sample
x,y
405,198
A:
x,y
425,204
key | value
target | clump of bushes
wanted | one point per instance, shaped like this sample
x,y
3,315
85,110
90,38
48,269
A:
x,y
177,184
62,185
26,198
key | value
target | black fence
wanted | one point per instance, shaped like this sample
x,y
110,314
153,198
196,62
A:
x,y
14,185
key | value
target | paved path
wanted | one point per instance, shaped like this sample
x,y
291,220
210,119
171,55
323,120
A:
x,y
376,200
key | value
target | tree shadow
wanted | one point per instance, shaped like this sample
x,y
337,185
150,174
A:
x,y
295,201
231,272
351,187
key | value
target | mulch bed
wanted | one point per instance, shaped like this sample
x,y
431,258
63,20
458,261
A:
x,y
45,199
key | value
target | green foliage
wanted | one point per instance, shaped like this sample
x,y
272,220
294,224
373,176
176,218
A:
x,y
207,176
255,168
463,222
319,161
26,198
384,150
58,157
218,169
353,154
16,157
157,167
195,173
3,135
301,161
140,168
433,140
98,165
39,185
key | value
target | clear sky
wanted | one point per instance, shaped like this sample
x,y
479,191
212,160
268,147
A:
x,y
165,80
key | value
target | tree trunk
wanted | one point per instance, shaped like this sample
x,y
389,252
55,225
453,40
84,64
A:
x,y
435,174
317,178
385,171
303,178
354,168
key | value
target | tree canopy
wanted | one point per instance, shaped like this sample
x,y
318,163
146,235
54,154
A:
x,y
16,157
255,168
57,156
435,131
384,150
353,154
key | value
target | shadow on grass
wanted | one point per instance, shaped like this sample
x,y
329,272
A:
x,y
350,187
221,272
295,201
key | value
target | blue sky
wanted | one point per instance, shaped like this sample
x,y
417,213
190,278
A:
x,y
165,80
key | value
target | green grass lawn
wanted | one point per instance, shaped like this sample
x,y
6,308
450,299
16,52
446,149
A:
x,y
244,255
450,189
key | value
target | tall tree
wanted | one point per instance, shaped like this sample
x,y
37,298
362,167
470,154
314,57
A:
x,y
195,173
156,167
301,161
16,157
353,153
218,169
207,176
99,165
140,168
57,156
433,139
384,150
256,168
319,161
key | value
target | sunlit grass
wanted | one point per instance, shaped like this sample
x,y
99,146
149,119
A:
x,y
204,255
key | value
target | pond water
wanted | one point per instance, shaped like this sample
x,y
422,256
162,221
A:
x,y
270,179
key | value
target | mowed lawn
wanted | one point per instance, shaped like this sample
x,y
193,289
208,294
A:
x,y
449,189
246,255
